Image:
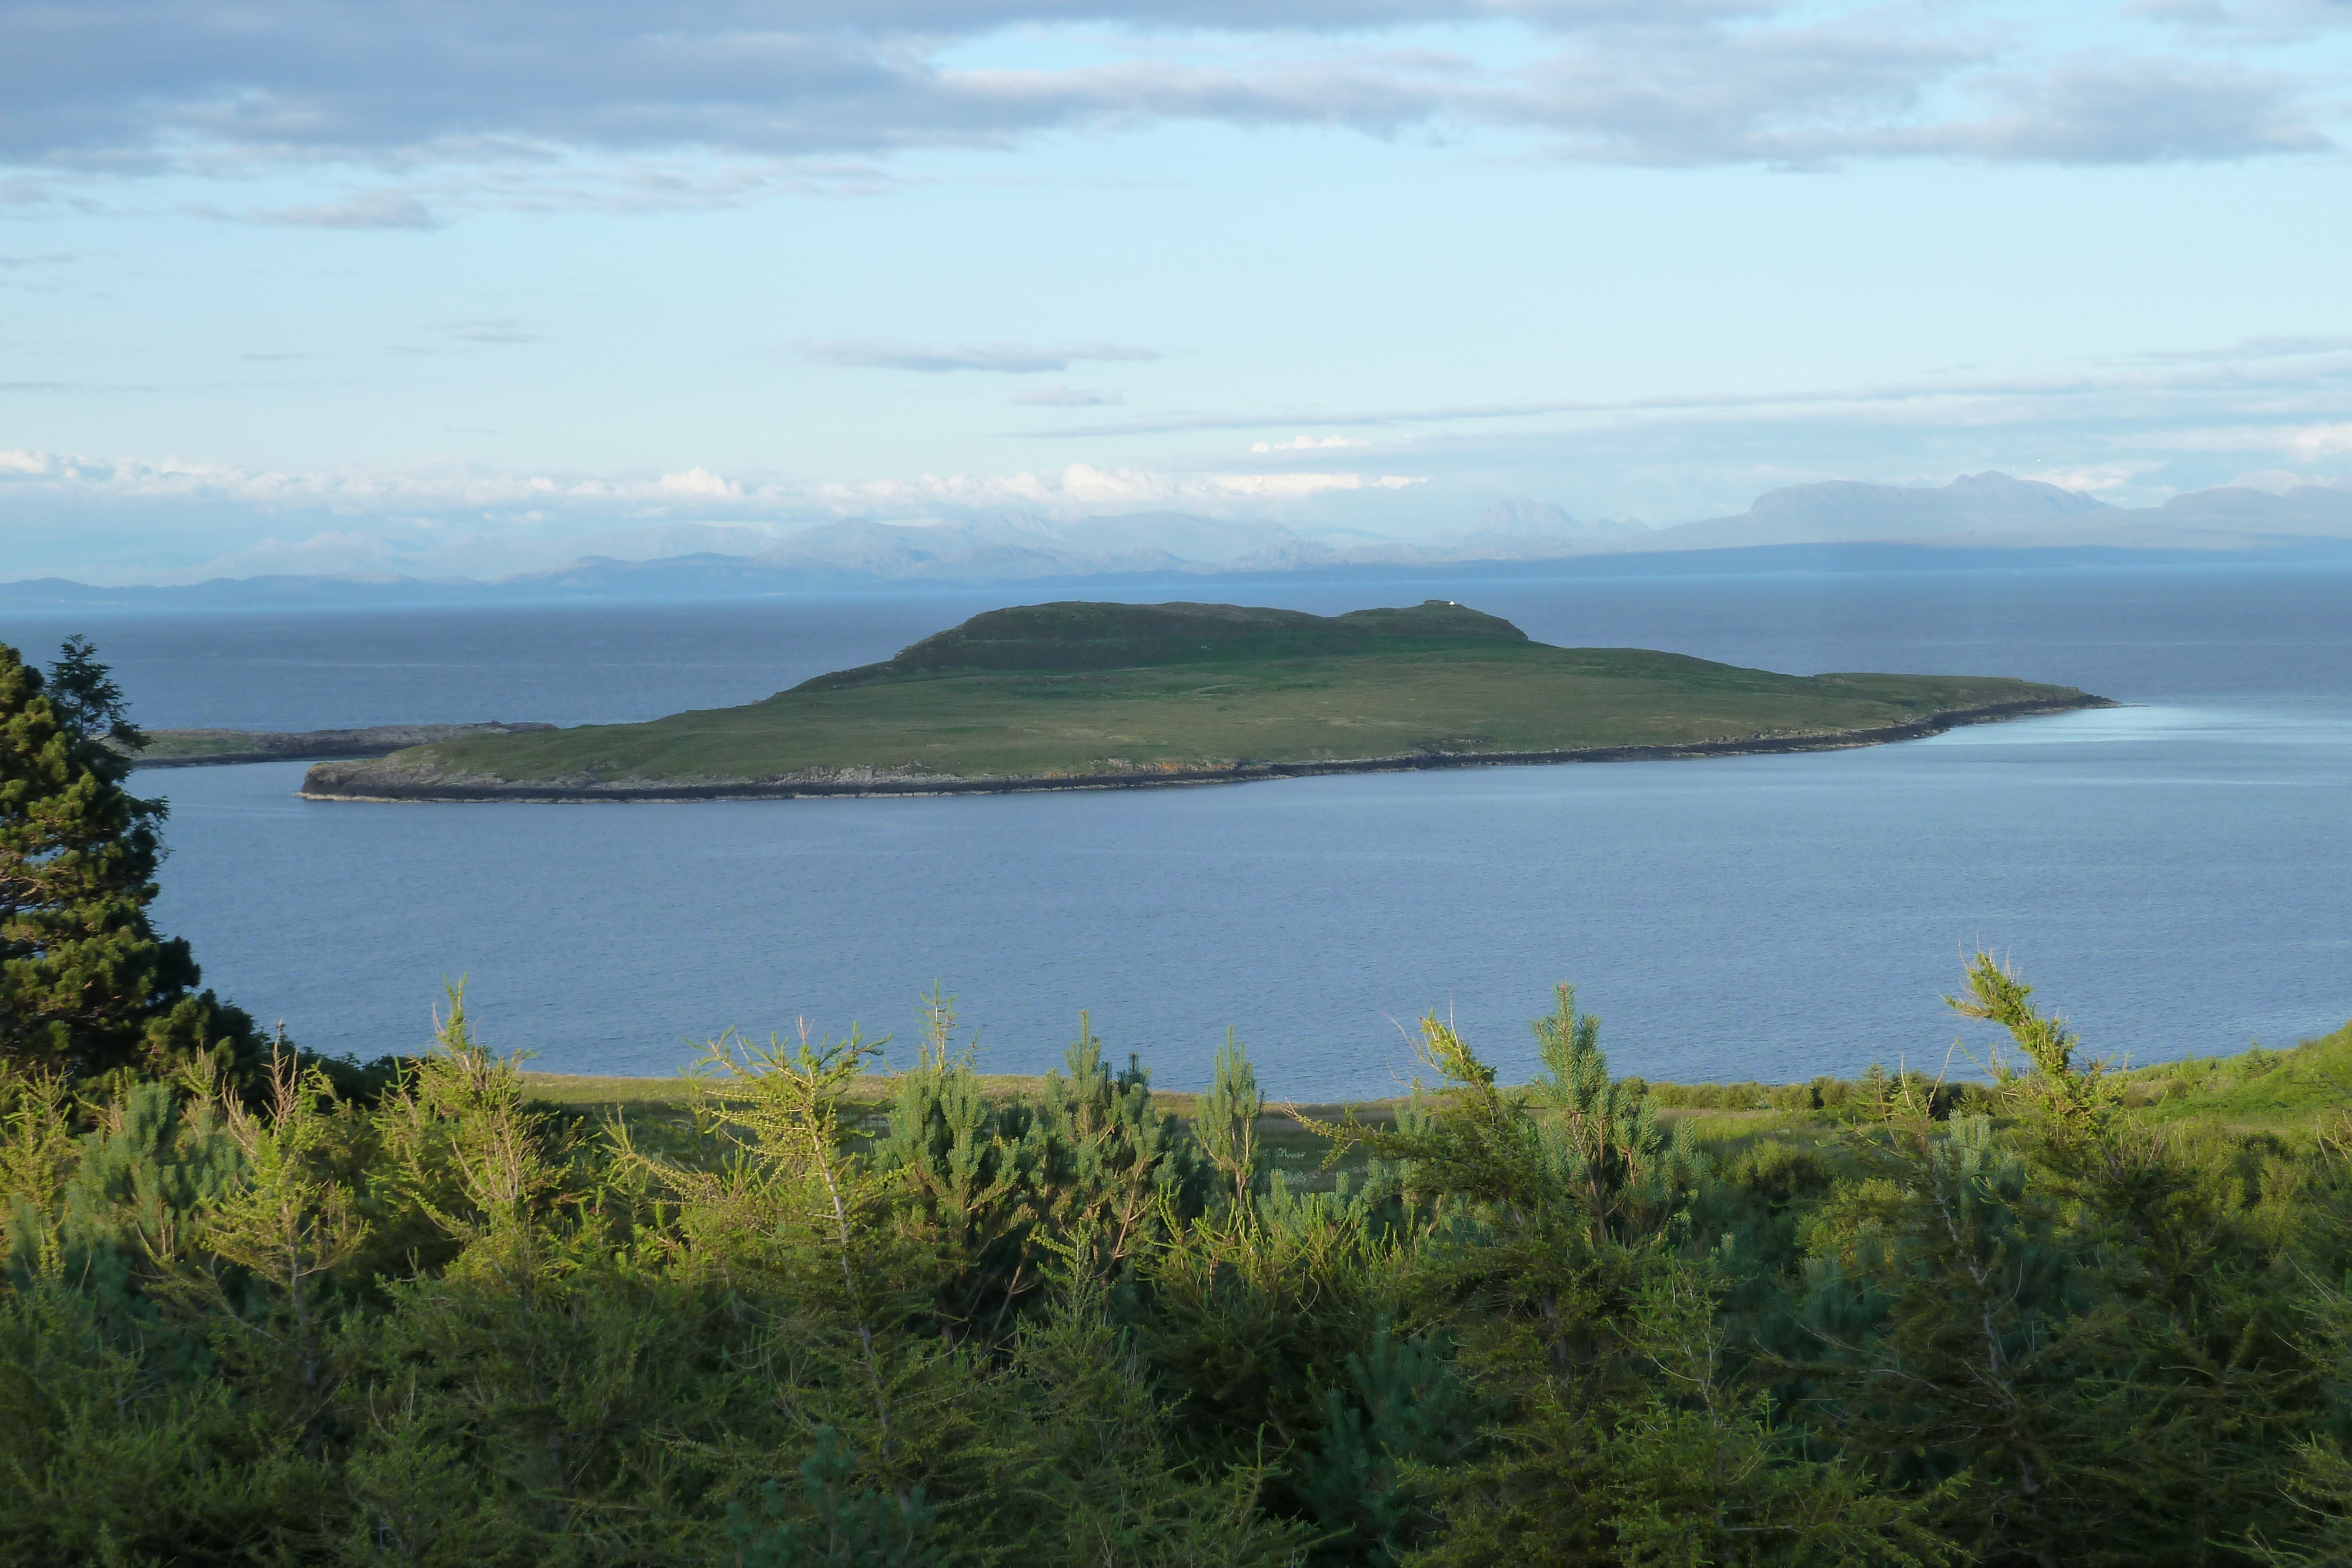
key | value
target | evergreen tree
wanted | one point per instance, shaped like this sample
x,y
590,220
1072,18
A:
x,y
87,988
89,702
966,1175
1226,1124
1116,1167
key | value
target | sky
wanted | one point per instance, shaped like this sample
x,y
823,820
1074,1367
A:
x,y
318,273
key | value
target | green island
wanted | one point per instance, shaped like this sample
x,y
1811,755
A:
x,y
1089,696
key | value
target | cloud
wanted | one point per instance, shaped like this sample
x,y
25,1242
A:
x,y
1812,94
1064,397
2246,349
2137,111
2262,21
54,477
2312,370
2319,440
2091,478
2279,481
1291,484
1081,486
369,209
1308,443
701,482
2329,438
49,479
51,258
549,99
1007,359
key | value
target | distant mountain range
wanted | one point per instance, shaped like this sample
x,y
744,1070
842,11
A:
x,y
1016,545
1993,509
1979,511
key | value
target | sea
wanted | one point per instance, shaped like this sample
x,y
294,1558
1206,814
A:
x,y
2174,875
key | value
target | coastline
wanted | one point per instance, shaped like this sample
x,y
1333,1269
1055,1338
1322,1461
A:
x,y
303,745
389,788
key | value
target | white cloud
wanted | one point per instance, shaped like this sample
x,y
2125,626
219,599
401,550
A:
x,y
2328,439
2319,440
701,482
1083,486
446,498
2279,481
1296,484
2091,478
81,478
1308,443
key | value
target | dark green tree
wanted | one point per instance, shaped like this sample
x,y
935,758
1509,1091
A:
x,y
86,987
89,702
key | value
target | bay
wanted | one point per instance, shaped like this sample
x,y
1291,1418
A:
x,y
2177,874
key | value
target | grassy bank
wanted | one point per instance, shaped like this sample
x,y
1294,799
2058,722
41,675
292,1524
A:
x,y
2301,1093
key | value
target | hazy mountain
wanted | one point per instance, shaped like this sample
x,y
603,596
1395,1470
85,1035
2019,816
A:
x,y
2304,511
1843,511
1537,530
1979,511
999,545
417,551
1996,510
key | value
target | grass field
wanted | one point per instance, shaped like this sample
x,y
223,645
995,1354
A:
x,y
2294,1094
1277,694
2298,1093
659,1112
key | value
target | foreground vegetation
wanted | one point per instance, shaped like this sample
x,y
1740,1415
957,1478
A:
x,y
772,1316
1076,692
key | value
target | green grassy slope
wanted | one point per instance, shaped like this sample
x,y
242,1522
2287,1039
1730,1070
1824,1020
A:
x,y
2298,1094
1075,690
2257,1087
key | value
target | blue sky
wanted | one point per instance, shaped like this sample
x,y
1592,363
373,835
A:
x,y
272,271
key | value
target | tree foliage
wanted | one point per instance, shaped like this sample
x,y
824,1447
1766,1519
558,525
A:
x,y
270,1320
86,987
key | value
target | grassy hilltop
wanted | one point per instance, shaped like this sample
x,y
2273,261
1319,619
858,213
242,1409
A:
x,y
1079,693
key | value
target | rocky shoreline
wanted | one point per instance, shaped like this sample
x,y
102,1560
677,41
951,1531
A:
x,y
384,781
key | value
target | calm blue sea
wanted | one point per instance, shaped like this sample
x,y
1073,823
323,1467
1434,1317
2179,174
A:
x,y
2176,875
